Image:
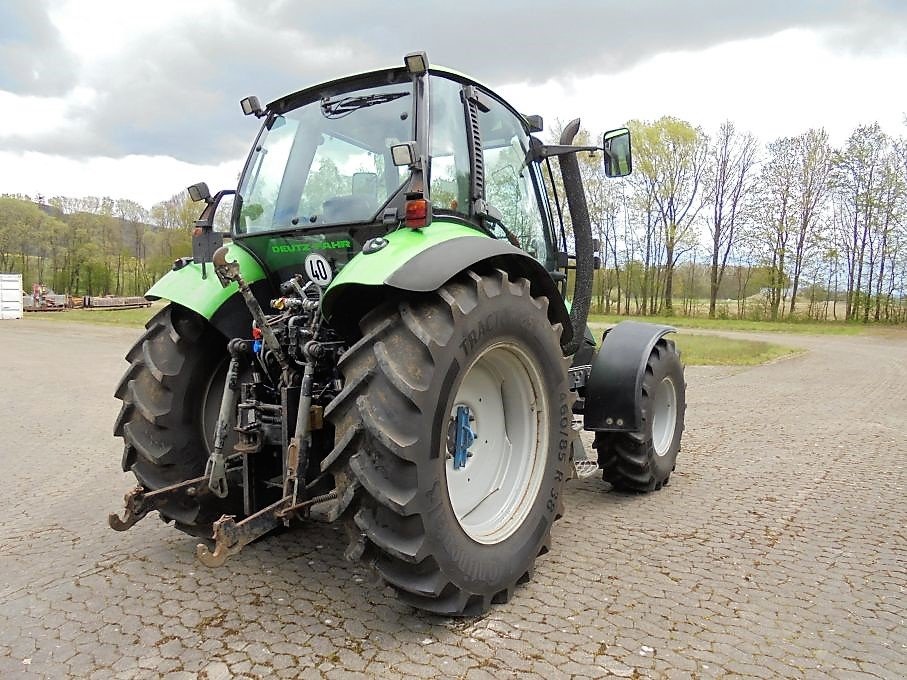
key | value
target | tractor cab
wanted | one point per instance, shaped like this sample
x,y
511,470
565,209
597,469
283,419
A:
x,y
366,154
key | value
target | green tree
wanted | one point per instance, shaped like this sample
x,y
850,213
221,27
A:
x,y
813,158
778,204
857,177
669,160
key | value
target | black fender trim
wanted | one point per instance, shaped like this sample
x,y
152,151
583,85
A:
x,y
233,318
434,266
431,268
615,383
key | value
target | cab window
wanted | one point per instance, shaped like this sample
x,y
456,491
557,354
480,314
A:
x,y
509,185
450,165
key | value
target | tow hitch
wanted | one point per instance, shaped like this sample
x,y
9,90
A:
x,y
230,536
140,502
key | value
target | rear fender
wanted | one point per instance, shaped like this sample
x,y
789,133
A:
x,y
223,307
422,261
615,384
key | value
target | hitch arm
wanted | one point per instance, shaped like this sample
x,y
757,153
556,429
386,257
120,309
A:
x,y
216,468
231,536
140,502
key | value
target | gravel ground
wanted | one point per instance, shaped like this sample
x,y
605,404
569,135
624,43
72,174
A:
x,y
778,550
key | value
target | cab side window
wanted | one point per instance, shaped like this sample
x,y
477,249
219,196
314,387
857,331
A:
x,y
450,166
509,183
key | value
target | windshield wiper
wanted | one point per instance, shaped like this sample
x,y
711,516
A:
x,y
338,108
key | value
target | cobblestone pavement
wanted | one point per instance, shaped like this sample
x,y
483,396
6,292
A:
x,y
778,550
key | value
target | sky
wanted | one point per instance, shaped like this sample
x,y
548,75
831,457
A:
x,y
140,99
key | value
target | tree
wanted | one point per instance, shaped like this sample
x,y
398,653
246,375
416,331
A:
x,y
732,162
777,204
813,155
606,200
856,178
670,160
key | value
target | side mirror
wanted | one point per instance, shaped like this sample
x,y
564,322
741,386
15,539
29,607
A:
x,y
250,106
403,154
617,157
536,123
199,192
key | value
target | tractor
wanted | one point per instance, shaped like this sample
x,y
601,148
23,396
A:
x,y
386,341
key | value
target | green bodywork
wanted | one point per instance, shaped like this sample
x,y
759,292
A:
x,y
205,296
186,286
402,245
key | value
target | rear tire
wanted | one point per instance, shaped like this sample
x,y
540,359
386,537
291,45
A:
x,y
171,396
643,461
453,540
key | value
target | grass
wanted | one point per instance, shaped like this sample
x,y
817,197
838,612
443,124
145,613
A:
x,y
106,317
697,350
813,327
714,350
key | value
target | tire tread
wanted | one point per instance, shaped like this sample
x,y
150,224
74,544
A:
x,y
378,444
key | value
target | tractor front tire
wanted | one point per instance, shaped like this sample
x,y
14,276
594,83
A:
x,y
453,534
171,396
643,461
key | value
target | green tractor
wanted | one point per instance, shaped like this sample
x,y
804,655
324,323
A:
x,y
385,342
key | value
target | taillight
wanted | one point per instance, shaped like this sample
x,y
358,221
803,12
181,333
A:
x,y
417,213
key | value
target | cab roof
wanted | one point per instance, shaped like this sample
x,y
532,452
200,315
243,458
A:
x,y
385,76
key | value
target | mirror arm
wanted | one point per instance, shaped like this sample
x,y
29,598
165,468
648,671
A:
x,y
204,240
206,219
542,151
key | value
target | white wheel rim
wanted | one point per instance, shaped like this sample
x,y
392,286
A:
x,y
494,491
664,416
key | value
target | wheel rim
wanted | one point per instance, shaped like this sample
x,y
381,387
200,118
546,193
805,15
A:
x,y
664,416
494,491
209,404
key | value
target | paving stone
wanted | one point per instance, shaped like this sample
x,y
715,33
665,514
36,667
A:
x,y
773,553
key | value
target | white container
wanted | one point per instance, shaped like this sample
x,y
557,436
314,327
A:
x,y
10,296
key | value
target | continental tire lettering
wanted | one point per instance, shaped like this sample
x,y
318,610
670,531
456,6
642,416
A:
x,y
485,327
563,445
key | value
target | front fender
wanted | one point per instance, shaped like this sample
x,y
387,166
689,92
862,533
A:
x,y
206,296
614,387
421,261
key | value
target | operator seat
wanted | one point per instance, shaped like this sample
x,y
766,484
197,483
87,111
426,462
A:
x,y
346,209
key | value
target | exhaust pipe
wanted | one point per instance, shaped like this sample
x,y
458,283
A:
x,y
582,236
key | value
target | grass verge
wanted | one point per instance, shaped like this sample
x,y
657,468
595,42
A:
x,y
697,350
714,350
105,317
813,327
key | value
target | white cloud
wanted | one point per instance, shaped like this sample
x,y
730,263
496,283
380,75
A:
x,y
101,29
159,80
776,86
144,179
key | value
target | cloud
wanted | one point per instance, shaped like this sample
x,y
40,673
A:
x,y
175,90
511,40
33,60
